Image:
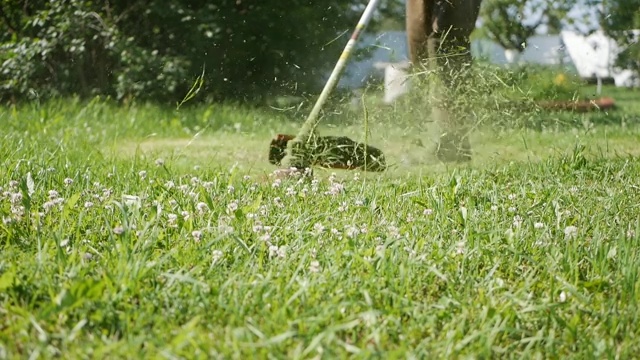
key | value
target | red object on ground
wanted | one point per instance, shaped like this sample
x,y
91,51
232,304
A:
x,y
603,103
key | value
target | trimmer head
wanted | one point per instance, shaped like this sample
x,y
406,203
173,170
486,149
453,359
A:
x,y
335,152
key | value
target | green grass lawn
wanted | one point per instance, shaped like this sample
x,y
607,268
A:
x,y
147,232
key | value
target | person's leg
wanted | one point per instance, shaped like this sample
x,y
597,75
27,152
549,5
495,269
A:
x,y
439,31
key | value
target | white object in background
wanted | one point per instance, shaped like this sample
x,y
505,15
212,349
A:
x,y
594,56
396,79
512,56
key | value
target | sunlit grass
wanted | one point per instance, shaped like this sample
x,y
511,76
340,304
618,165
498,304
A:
x,y
147,232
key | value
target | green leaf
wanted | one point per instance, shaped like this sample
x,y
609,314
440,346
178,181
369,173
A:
x,y
71,203
7,279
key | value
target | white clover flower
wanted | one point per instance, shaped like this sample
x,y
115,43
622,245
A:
x,y
273,250
68,181
517,221
216,255
169,184
118,230
511,196
197,235
394,232
48,206
278,202
16,198
343,206
282,252
460,248
314,185
160,162
335,189
318,228
335,232
202,207
266,237
208,185
570,232
427,212
246,178
231,189
494,207
232,206
142,174
562,297
511,209
172,220
132,200
225,229
410,217
88,204
13,184
291,191
173,202
538,225
17,212
185,215
314,266
263,210
352,231
276,183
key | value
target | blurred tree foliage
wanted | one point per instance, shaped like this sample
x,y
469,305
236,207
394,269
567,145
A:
x,y
155,49
617,18
510,23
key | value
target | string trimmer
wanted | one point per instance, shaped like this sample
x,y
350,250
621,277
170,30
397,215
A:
x,y
307,148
